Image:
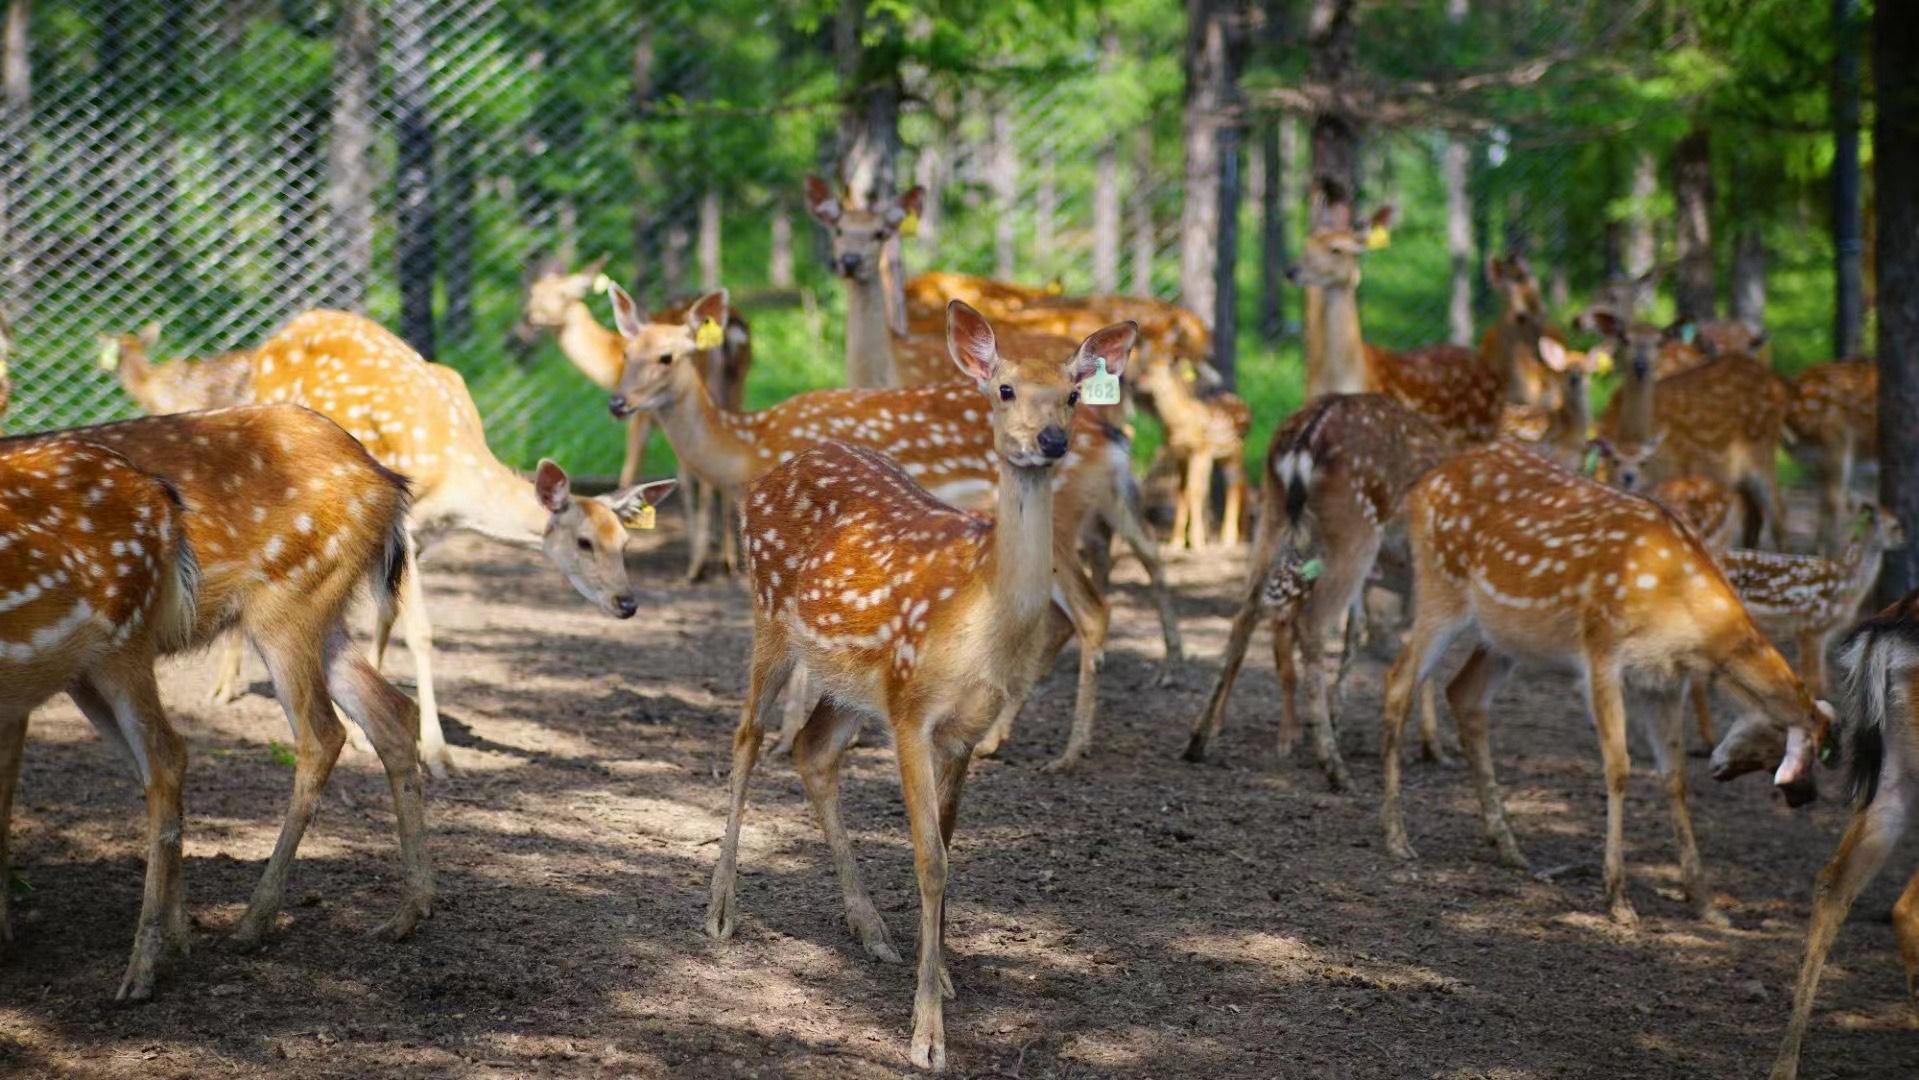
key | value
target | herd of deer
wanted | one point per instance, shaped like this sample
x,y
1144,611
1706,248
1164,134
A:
x,y
922,544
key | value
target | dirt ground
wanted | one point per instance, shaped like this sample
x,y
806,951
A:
x,y
1141,917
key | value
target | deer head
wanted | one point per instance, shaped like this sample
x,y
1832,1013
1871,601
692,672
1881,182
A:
x,y
1759,740
658,368
1636,344
859,235
1032,400
586,538
1622,466
1513,280
550,290
1330,259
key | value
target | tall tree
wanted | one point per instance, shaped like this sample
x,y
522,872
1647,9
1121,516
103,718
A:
x,y
867,47
1849,293
1272,230
413,177
1002,176
349,165
16,111
1332,53
1642,243
1456,166
1895,163
1211,95
1145,244
1106,186
1693,288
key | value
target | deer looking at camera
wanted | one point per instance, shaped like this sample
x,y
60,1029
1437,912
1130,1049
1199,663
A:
x,y
907,609
98,580
933,432
874,357
178,385
1549,566
417,418
1201,431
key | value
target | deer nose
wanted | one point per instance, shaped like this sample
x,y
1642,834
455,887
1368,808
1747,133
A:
x,y
1292,274
850,264
617,405
625,606
1052,441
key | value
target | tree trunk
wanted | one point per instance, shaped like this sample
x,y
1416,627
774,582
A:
x,y
1002,175
645,168
16,113
1046,215
413,179
349,168
1330,39
869,142
1209,88
1849,297
1642,245
1144,242
461,186
1272,232
1895,162
1225,356
1749,277
673,255
1106,188
1693,290
932,170
1456,164
709,240
779,262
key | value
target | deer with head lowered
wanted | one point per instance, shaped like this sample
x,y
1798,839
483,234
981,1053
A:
x,y
417,418
907,609
98,580
931,431
1551,567
179,385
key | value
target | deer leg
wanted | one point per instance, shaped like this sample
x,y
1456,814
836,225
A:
x,y
1090,617
1199,491
1868,839
1009,708
800,700
1178,539
699,537
770,671
1668,739
919,784
1288,671
1609,720
1319,709
392,722
1235,499
1699,692
1207,724
13,738
1812,661
817,755
1905,925
1125,522
1096,551
1469,694
729,533
1433,630
951,767
226,670
297,681
419,644
638,427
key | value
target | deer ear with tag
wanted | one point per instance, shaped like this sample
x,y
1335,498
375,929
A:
x,y
634,505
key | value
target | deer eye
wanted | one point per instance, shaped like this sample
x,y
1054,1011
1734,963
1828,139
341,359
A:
x,y
666,358
585,544
1005,392
1072,399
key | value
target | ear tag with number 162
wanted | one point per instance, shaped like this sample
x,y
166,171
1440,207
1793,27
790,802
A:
x,y
1101,388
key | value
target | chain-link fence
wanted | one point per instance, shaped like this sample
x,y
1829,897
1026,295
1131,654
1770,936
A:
x,y
219,165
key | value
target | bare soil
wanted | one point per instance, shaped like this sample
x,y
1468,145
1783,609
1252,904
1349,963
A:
x,y
1140,917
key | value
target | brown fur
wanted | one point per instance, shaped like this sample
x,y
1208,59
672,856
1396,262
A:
x,y
181,385
1201,432
1834,419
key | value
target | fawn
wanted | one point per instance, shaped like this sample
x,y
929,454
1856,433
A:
x,y
905,608
931,431
1552,567
177,385
1834,421
1561,431
1201,431
1335,478
98,578
1879,727
418,418
928,293
288,515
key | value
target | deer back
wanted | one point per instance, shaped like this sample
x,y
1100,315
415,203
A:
x,y
1454,387
1836,404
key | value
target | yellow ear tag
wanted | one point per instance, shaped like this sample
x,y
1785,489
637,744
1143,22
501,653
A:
x,y
1601,360
602,284
110,354
910,226
1101,388
646,516
1378,237
1190,372
3,364
708,336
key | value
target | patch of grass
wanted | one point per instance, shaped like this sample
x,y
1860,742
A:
x,y
281,753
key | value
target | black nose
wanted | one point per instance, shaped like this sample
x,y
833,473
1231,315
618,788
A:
x,y
617,405
850,264
1640,366
625,606
1292,274
1052,441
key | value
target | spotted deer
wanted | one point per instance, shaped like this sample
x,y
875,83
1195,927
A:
x,y
1548,566
1833,418
1335,477
289,517
178,385
1514,340
417,418
1562,430
859,238
1202,432
98,579
927,294
1456,388
1879,732
907,609
934,433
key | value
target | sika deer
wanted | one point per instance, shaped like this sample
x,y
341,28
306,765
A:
x,y
1834,421
178,385
97,580
1552,567
907,609
1339,470
288,515
1879,729
933,432
860,237
417,418
1201,431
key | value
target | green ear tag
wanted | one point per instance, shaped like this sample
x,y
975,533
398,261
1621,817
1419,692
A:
x,y
1828,752
1688,332
1590,466
1102,388
1311,569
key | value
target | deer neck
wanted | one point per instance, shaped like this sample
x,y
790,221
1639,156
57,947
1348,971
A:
x,y
1635,409
1572,423
592,348
718,445
492,500
1861,560
1334,348
1502,352
1022,555
869,340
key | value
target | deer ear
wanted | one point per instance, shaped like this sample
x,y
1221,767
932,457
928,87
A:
x,y
1552,353
150,335
1495,271
630,504
906,209
551,485
707,319
1602,321
970,341
626,313
821,202
593,269
1517,267
1113,344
